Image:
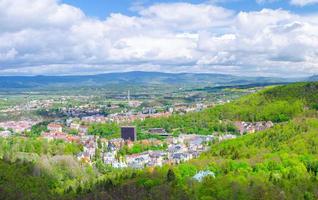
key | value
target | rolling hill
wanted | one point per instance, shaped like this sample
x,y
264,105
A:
x,y
135,77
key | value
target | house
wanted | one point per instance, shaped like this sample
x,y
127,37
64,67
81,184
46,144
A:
x,y
73,138
94,119
250,127
158,158
17,126
176,148
194,154
181,157
117,142
202,174
55,127
109,158
111,147
138,160
269,124
117,164
196,144
90,150
75,126
54,136
240,127
83,129
5,134
69,121
226,137
157,131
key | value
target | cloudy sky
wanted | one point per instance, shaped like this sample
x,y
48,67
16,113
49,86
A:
x,y
241,37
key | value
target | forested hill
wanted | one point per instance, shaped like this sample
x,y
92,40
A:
x,y
278,163
307,92
277,104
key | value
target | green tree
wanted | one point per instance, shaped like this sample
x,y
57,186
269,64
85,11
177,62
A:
x,y
171,175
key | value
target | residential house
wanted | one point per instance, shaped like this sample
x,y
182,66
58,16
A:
x,y
177,148
55,127
55,136
109,158
180,157
138,160
83,130
118,164
117,142
202,174
75,126
5,134
90,149
226,137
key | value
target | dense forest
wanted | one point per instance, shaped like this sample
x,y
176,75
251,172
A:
x,y
278,163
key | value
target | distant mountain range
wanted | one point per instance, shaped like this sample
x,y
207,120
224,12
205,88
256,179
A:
x,y
313,78
135,77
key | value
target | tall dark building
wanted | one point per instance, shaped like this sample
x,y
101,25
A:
x,y
128,133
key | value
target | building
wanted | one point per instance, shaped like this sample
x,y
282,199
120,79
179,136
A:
x,y
252,127
55,127
54,135
138,160
5,134
74,126
158,131
83,129
17,126
202,174
128,133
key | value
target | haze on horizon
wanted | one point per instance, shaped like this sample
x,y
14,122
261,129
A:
x,y
252,38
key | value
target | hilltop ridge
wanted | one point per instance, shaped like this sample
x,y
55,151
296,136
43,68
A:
x,y
133,77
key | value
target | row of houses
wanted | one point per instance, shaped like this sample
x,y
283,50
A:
x,y
122,117
252,127
180,149
18,126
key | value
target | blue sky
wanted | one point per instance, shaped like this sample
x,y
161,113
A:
x,y
239,37
102,8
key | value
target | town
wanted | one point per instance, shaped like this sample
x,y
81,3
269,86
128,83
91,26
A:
x,y
116,152
126,146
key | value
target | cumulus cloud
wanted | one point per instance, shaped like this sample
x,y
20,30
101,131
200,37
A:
x,y
303,2
48,37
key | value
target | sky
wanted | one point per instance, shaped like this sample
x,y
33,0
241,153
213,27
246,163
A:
x,y
240,37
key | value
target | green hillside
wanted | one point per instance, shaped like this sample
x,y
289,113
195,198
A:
x,y
281,163
277,104
278,163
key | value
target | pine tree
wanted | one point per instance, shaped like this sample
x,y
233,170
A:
x,y
171,175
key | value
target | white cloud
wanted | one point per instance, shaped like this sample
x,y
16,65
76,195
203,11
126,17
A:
x,y
166,37
292,2
303,2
